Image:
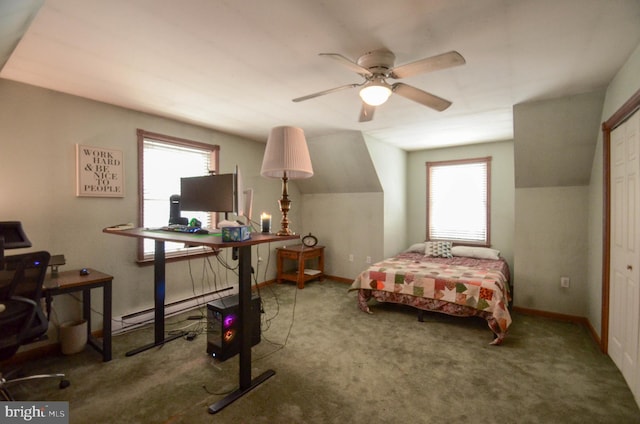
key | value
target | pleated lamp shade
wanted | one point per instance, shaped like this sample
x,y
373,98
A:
x,y
286,152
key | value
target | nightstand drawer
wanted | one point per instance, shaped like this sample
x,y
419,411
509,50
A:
x,y
287,254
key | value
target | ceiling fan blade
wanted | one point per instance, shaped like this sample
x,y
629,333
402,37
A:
x,y
366,113
322,93
348,63
430,64
419,96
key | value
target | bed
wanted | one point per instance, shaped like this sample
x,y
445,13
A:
x,y
434,276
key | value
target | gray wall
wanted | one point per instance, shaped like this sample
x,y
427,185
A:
x,y
550,242
391,167
38,132
346,224
355,203
555,141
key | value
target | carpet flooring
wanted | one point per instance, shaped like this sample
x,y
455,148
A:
x,y
336,364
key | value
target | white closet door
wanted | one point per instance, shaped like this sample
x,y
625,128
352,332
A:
x,y
624,306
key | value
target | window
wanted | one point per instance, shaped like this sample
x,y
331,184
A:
x,y
162,161
458,206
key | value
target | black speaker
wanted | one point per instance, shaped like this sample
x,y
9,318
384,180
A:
x,y
223,326
174,211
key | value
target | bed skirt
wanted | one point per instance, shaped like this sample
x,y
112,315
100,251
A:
x,y
434,305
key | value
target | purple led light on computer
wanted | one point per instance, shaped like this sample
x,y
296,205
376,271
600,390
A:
x,y
229,320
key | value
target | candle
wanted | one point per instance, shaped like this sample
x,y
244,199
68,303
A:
x,y
265,222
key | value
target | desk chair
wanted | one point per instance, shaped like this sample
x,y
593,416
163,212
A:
x,y
22,320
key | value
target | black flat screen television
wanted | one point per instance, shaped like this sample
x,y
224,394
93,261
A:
x,y
211,193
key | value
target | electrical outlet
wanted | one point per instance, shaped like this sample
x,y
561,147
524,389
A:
x,y
564,282
368,259
351,257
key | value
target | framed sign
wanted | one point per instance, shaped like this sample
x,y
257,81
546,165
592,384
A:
x,y
99,172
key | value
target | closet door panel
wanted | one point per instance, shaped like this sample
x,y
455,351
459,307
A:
x,y
625,258
617,278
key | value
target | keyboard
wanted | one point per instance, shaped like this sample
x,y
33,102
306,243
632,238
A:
x,y
179,228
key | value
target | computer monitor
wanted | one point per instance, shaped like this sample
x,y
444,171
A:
x,y
247,210
244,198
211,193
239,193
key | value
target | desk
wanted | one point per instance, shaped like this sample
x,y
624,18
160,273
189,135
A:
x,y
300,254
72,281
244,294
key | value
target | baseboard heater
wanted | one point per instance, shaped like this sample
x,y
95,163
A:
x,y
134,320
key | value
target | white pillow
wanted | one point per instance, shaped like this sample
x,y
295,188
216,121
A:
x,y
416,248
475,252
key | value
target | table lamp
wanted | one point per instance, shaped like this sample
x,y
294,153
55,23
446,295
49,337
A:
x,y
286,156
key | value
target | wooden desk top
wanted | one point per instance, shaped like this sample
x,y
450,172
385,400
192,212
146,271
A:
x,y
72,278
198,239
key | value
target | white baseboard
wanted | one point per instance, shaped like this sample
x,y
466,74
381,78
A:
x,y
134,320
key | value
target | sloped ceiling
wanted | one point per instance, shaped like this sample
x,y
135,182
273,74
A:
x,y
555,140
341,164
15,18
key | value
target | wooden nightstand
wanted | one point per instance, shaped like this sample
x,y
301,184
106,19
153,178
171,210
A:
x,y
300,254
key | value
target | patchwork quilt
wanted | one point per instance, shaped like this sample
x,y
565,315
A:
x,y
459,286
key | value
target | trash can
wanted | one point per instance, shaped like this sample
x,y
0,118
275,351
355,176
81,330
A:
x,y
73,336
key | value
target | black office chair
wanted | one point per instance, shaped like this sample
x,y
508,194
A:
x,y
22,320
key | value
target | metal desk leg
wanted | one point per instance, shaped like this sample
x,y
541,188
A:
x,y
105,346
244,294
159,285
106,323
86,310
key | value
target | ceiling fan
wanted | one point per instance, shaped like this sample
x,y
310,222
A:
x,y
377,66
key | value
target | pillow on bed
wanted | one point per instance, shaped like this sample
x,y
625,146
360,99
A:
x,y
416,248
438,249
475,252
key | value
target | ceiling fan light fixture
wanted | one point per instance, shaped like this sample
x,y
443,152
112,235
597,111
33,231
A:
x,y
375,93
377,66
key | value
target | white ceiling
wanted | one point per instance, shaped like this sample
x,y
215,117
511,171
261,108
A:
x,y
235,65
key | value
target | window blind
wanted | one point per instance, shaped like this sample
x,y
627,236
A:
x,y
164,163
458,201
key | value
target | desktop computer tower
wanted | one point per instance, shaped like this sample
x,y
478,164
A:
x,y
223,326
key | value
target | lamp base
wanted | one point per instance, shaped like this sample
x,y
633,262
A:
x,y
285,205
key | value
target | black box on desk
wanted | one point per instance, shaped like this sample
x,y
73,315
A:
x,y
223,326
